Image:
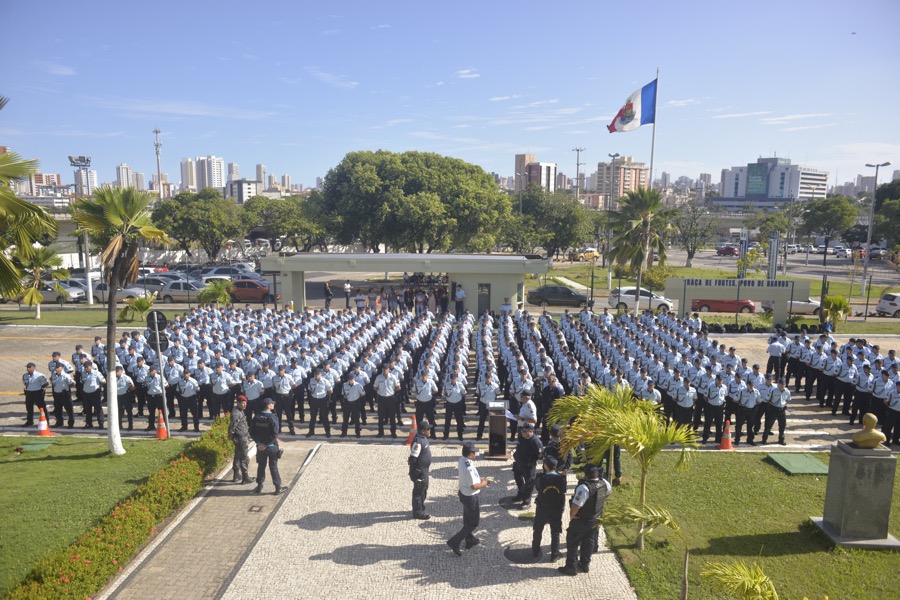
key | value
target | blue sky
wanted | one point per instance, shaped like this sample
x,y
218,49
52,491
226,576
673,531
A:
x,y
298,85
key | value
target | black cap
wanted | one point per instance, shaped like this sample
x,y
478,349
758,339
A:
x,y
424,425
528,426
469,448
550,462
591,471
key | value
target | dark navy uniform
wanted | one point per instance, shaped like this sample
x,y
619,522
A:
x,y
590,496
264,431
419,464
528,451
550,501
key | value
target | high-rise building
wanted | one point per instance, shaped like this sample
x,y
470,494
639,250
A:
x,y
544,174
41,183
706,180
261,174
626,176
272,182
562,183
210,172
234,172
894,178
286,181
768,183
85,182
320,183
665,180
123,176
241,190
188,175
522,162
137,180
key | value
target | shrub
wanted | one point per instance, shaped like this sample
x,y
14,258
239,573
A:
x,y
86,566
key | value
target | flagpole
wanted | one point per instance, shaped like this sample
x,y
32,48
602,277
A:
x,y
653,142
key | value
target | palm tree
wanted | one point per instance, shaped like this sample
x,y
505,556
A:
x,y
641,225
139,306
603,419
120,218
749,582
40,265
21,222
216,292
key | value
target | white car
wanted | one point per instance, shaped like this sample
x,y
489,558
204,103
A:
x,y
799,307
793,248
624,299
101,291
888,306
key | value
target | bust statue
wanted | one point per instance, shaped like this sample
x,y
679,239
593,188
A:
x,y
868,437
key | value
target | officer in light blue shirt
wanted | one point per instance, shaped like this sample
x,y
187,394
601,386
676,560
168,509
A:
x,y
747,401
92,385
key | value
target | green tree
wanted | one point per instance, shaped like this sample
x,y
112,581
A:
x,y
829,217
696,226
887,191
205,219
565,223
121,216
753,260
42,266
641,227
140,306
21,223
886,220
216,292
748,582
767,223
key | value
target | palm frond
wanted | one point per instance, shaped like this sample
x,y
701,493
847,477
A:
x,y
649,518
747,581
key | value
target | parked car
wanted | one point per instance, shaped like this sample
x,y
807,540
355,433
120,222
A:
x,y
101,291
877,253
251,290
821,249
799,307
50,295
228,271
728,251
589,254
888,306
152,283
179,291
555,295
624,299
727,306
841,252
793,248
78,273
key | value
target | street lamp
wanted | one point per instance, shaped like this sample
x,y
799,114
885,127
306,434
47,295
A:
x,y
612,186
815,188
862,289
578,163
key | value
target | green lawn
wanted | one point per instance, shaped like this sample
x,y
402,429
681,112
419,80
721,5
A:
x,y
733,507
51,496
67,316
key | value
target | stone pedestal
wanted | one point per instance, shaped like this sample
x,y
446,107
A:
x,y
858,497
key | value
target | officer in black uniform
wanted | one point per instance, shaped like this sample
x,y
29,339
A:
x,y
563,463
419,463
264,431
528,450
550,501
584,510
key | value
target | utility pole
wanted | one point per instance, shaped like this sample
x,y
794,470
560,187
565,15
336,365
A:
x,y
83,164
871,223
158,145
612,186
578,164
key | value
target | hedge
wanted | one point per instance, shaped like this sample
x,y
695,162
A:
x,y
86,566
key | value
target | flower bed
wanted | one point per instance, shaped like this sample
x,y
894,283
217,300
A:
x,y
86,566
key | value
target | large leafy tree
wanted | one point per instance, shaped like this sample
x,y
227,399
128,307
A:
x,y
42,267
364,194
204,219
886,221
641,227
887,191
697,225
829,217
121,218
21,223
566,223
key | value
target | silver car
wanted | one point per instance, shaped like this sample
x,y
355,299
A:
x,y
101,291
179,291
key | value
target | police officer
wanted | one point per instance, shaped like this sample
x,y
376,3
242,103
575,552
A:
x,y
35,383
239,432
61,383
779,396
283,386
584,510
563,463
188,391
425,391
386,388
353,400
454,406
92,385
550,501
419,464
125,394
470,486
155,391
528,450
318,403
746,412
264,432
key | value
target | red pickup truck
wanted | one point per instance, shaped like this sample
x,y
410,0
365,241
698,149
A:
x,y
725,306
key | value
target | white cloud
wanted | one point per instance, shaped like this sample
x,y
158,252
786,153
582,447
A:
x,y
680,103
805,127
380,27
332,79
470,73
740,115
394,122
502,98
55,68
788,118
181,108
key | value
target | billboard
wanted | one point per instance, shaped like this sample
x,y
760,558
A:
x,y
757,180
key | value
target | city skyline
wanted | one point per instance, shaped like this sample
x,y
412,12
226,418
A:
x,y
733,87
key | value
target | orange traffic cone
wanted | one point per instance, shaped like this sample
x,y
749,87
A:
x,y
412,432
43,426
161,432
726,438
